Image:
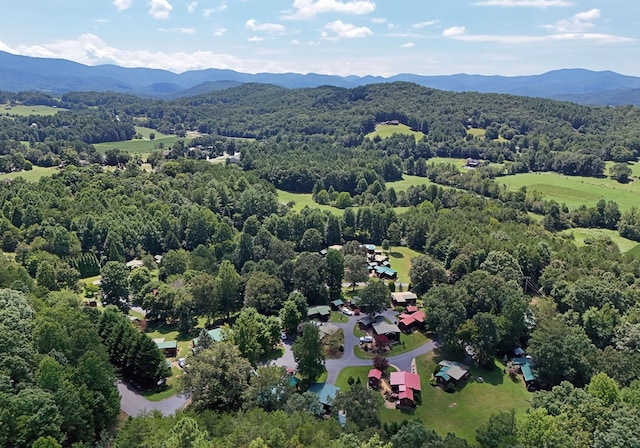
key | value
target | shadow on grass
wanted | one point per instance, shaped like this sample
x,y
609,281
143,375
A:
x,y
272,355
396,255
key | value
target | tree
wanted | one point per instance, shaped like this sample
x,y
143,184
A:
x,y
425,272
174,262
308,352
481,333
374,298
216,378
413,434
246,333
332,230
361,405
304,402
620,172
537,428
335,272
227,286
114,282
290,316
381,363
605,388
263,292
138,278
308,277
355,269
269,389
499,431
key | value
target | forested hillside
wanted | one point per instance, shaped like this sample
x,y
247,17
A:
x,y
219,249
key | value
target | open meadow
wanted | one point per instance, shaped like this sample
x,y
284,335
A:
x,y
32,175
387,130
581,237
575,190
24,111
138,146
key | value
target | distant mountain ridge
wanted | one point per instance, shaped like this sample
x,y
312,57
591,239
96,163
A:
x,y
56,76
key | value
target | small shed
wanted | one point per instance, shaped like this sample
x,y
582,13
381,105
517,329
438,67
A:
x,y
374,376
169,348
135,263
336,304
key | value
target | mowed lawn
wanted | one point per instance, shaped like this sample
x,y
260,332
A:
x,y
387,130
303,200
575,190
463,411
24,111
32,175
580,234
400,259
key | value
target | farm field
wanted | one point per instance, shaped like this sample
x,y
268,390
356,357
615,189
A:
x,y
24,111
387,130
463,411
408,181
139,146
582,235
145,132
33,175
400,259
304,199
575,190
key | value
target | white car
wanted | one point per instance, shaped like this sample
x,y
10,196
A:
x,y
347,311
366,339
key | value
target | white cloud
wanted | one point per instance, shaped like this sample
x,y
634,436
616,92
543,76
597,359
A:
x,y
219,31
271,28
408,45
121,5
524,3
378,20
210,11
424,24
307,9
346,30
178,30
191,7
454,31
255,39
578,23
91,50
160,9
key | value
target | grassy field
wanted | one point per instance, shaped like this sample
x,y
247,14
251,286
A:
x,y
145,132
355,371
582,235
400,259
304,199
24,111
137,146
387,130
465,410
33,175
575,190
408,181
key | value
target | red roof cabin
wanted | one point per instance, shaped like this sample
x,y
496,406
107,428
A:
x,y
405,384
410,322
375,376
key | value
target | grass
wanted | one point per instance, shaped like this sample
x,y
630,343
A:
x,y
172,387
465,410
400,259
581,237
24,111
408,181
387,130
407,343
145,132
355,372
303,200
338,318
575,190
139,146
33,175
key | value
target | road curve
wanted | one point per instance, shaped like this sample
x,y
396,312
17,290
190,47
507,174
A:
x,y
133,403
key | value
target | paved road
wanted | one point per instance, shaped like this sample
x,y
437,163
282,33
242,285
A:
x,y
133,404
349,358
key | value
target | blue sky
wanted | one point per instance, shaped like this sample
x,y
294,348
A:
x,y
381,37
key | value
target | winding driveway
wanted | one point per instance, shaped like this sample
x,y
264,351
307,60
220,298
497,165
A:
x,y
349,358
133,403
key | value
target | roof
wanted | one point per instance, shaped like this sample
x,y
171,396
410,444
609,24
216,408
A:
x,y
402,297
407,379
451,369
383,327
215,334
385,270
322,310
370,247
406,394
412,309
135,264
366,320
518,351
328,328
375,373
337,302
164,345
326,392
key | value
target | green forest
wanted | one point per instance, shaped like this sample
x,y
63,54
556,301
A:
x,y
497,269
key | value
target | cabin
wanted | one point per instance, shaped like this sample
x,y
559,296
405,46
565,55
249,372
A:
x,y
326,393
320,312
405,385
404,298
374,377
451,373
168,348
472,163
336,304
411,322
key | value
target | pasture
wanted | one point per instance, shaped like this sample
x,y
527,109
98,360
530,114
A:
x,y
32,175
575,190
24,111
146,132
581,237
139,146
387,130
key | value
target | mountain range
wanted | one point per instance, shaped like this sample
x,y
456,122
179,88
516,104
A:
x,y
56,76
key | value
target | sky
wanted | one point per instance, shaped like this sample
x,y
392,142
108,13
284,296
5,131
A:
x,y
338,37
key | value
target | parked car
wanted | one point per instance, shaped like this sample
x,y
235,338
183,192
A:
x,y
347,311
283,335
181,363
366,339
